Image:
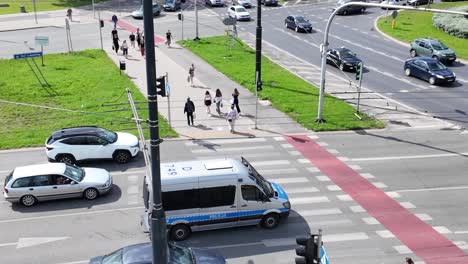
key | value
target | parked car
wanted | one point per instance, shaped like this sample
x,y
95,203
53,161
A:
x,y
214,2
74,144
394,2
419,2
432,48
244,3
269,2
350,9
298,23
343,58
138,14
171,5
429,69
30,184
239,13
143,254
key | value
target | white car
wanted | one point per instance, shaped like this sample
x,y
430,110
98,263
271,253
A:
x,y
244,3
394,2
239,13
30,184
74,144
214,2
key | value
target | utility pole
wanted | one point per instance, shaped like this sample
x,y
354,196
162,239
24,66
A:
x,y
258,57
196,22
158,218
94,13
35,13
101,24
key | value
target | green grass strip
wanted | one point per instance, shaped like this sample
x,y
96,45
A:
x,y
411,25
42,5
84,81
287,92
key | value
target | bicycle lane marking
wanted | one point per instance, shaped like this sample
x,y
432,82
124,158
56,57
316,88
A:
x,y
420,237
129,27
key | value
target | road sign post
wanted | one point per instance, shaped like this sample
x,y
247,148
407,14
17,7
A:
x,y
42,41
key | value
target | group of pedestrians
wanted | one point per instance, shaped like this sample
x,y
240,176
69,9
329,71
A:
x,y
139,38
208,100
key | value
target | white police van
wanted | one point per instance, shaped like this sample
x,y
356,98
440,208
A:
x,y
214,194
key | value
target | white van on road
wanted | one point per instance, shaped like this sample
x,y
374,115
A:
x,y
214,194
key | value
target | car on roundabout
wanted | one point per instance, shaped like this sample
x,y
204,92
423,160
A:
x,y
138,14
239,13
394,3
349,9
434,48
298,23
430,70
269,2
74,144
212,3
343,58
51,181
244,3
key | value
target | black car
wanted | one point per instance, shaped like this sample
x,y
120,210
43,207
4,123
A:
x,y
419,2
269,2
429,69
143,254
298,23
350,9
342,58
171,5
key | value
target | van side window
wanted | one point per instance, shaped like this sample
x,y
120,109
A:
x,y
179,200
251,193
22,182
217,196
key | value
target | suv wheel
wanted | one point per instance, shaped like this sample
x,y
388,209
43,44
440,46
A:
x,y
363,9
341,66
286,25
90,194
180,232
408,72
432,80
413,53
66,158
28,200
270,221
122,156
297,29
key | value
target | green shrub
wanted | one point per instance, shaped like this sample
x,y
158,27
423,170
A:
x,y
453,24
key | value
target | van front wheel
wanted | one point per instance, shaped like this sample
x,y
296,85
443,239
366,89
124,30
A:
x,y
270,221
180,232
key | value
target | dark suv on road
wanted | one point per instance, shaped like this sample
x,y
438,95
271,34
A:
x,y
350,9
427,47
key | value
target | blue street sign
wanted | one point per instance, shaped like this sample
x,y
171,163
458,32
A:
x,y
27,55
168,89
324,257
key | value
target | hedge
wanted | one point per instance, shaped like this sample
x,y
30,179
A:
x,y
453,24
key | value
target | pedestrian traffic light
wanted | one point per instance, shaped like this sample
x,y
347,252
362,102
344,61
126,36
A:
x,y
359,71
307,250
161,86
101,23
259,86
180,16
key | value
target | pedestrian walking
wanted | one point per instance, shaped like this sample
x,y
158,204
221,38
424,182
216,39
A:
x,y
191,74
189,109
132,40
69,14
168,38
115,40
235,100
218,100
115,19
231,118
208,100
125,48
138,37
142,46
409,261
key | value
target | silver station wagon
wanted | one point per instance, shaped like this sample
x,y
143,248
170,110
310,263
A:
x,y
30,184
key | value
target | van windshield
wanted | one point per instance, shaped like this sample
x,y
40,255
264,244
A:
x,y
262,182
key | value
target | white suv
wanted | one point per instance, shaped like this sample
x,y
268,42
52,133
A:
x,y
74,144
238,12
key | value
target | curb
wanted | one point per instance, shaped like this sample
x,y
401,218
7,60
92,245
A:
x,y
399,41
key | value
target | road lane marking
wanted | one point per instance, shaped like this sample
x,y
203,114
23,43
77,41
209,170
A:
x,y
301,190
410,157
309,200
280,242
289,180
71,214
277,171
223,141
230,149
270,163
433,189
328,211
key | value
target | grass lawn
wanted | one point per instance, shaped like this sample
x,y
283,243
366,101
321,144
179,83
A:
x,y
416,24
42,5
286,91
85,81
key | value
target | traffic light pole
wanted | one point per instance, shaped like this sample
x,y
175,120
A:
x,y
158,218
100,29
359,87
324,45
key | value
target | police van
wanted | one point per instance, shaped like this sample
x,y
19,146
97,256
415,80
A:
x,y
213,194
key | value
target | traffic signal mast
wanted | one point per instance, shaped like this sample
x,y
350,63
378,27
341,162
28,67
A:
x,y
308,249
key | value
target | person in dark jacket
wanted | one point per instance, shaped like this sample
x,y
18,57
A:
x,y
115,40
189,109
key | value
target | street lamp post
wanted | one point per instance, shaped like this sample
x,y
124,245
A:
x,y
35,13
196,22
258,57
324,45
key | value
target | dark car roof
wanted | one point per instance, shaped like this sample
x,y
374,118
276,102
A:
x,y
426,59
341,49
75,131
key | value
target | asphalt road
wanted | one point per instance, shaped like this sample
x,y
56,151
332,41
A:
x,y
424,171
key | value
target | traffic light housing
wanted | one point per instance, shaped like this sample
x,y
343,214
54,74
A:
x,y
180,16
359,71
101,23
307,250
161,85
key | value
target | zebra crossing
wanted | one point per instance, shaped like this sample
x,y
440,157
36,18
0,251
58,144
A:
x,y
316,202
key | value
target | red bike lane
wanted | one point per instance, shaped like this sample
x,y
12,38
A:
x,y
421,238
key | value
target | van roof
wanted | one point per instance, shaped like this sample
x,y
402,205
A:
x,y
39,169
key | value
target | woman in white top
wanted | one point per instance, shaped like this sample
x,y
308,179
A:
x,y
218,101
124,48
208,102
231,118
